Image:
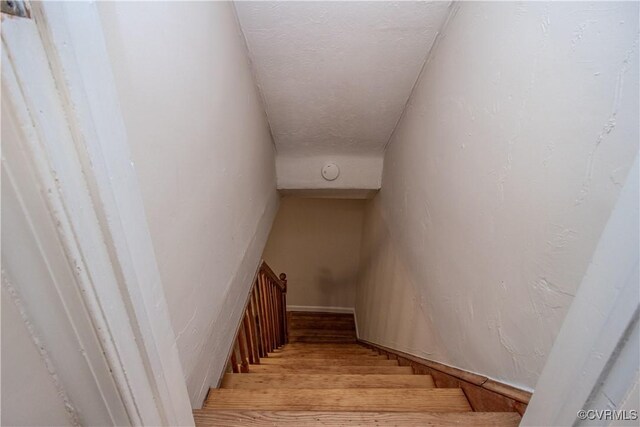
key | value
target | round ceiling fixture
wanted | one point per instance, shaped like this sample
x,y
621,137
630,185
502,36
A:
x,y
330,171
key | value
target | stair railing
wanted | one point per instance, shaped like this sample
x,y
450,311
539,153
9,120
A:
x,y
263,327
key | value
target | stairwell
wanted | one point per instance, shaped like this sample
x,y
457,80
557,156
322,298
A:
x,y
323,376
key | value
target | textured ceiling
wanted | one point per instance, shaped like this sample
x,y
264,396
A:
x,y
335,76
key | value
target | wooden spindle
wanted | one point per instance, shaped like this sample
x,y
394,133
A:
x,y
247,337
280,310
272,304
234,360
256,322
253,332
261,317
264,301
285,330
267,303
276,314
279,315
242,344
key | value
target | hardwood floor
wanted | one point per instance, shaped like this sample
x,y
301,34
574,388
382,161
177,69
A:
x,y
323,377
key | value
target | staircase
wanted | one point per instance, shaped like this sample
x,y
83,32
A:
x,y
323,377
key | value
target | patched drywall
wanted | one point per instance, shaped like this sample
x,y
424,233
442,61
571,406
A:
x,y
316,242
335,77
205,161
498,183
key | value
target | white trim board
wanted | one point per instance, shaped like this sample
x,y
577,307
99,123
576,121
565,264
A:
x,y
58,80
320,309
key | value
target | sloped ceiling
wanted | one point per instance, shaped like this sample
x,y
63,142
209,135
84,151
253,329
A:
x,y
335,76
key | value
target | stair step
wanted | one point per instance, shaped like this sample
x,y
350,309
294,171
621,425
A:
x,y
322,332
322,339
283,369
319,315
321,381
323,346
325,354
204,418
311,323
306,361
372,399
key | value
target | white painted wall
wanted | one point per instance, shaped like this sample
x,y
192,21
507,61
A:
x,y
316,242
595,360
303,172
205,161
26,383
498,183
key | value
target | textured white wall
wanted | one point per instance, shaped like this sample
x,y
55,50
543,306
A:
x,y
205,161
25,379
317,243
498,184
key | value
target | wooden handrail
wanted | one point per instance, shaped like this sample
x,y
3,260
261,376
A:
x,y
277,280
263,327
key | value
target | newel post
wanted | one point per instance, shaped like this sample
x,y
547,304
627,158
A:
x,y
283,279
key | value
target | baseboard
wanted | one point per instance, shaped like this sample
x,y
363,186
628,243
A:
x,y
320,309
484,394
355,321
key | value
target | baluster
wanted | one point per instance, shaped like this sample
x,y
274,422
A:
x,y
279,302
254,336
283,279
265,308
255,352
272,305
257,322
234,360
242,343
276,307
261,317
247,336
258,314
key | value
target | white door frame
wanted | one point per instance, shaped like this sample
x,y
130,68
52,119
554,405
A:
x,y
58,80
598,328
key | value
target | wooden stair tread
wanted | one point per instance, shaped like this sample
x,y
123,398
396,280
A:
x,y
322,333
318,339
281,369
297,324
323,347
325,355
205,418
320,315
323,376
372,399
308,361
322,381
